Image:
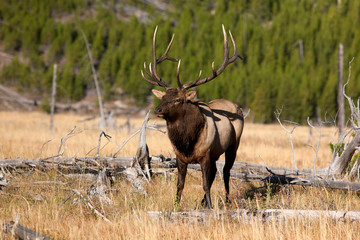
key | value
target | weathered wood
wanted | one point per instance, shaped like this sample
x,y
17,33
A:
x,y
81,162
341,164
314,182
97,190
91,206
250,169
156,162
75,162
3,180
340,96
21,232
241,170
248,215
98,93
142,157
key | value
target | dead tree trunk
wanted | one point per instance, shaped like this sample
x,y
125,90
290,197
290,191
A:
x,y
340,96
102,115
341,163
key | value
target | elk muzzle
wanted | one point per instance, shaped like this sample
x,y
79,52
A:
x,y
159,111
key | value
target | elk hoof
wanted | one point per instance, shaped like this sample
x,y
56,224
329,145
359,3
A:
x,y
228,201
204,202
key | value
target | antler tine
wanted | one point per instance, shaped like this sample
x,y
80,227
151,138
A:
x,y
195,82
153,71
148,80
226,45
146,71
178,75
223,65
152,66
165,56
236,54
150,75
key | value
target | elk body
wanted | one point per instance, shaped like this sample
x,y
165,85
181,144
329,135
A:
x,y
199,132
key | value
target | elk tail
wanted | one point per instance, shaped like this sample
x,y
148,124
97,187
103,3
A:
x,y
240,111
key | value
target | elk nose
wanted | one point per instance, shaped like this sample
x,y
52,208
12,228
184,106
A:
x,y
158,110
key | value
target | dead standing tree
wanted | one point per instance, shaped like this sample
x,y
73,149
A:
x,y
340,96
102,115
341,163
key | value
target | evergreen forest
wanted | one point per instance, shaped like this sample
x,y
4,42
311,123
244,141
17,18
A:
x,y
290,49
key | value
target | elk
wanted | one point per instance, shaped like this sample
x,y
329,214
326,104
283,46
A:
x,y
199,132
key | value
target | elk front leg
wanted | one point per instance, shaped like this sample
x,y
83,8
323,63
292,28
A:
x,y
182,168
206,174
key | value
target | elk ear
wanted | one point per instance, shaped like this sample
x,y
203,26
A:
x,y
159,94
190,95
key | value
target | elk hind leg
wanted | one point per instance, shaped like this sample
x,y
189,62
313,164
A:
x,y
230,155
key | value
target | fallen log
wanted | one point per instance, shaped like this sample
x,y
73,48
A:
x,y
21,232
156,162
79,162
248,215
244,171
313,182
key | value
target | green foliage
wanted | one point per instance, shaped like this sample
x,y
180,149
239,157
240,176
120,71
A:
x,y
267,33
338,149
354,159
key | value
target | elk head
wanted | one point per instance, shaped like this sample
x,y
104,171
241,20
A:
x,y
173,99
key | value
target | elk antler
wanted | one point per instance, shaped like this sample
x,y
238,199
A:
x,y
152,67
224,64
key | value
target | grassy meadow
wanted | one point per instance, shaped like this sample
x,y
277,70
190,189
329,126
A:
x,y
27,135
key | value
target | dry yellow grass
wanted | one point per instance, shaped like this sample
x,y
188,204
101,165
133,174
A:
x,y
24,134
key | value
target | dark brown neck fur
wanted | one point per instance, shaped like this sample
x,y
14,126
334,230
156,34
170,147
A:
x,y
185,129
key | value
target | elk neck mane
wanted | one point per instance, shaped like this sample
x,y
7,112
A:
x,y
185,130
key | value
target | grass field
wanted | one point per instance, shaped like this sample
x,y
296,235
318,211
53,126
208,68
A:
x,y
24,135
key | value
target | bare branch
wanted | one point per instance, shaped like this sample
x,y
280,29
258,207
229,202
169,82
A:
x,y
106,136
63,140
354,110
318,144
90,205
290,132
125,142
44,146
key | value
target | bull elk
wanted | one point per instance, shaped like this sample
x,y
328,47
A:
x,y
199,132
